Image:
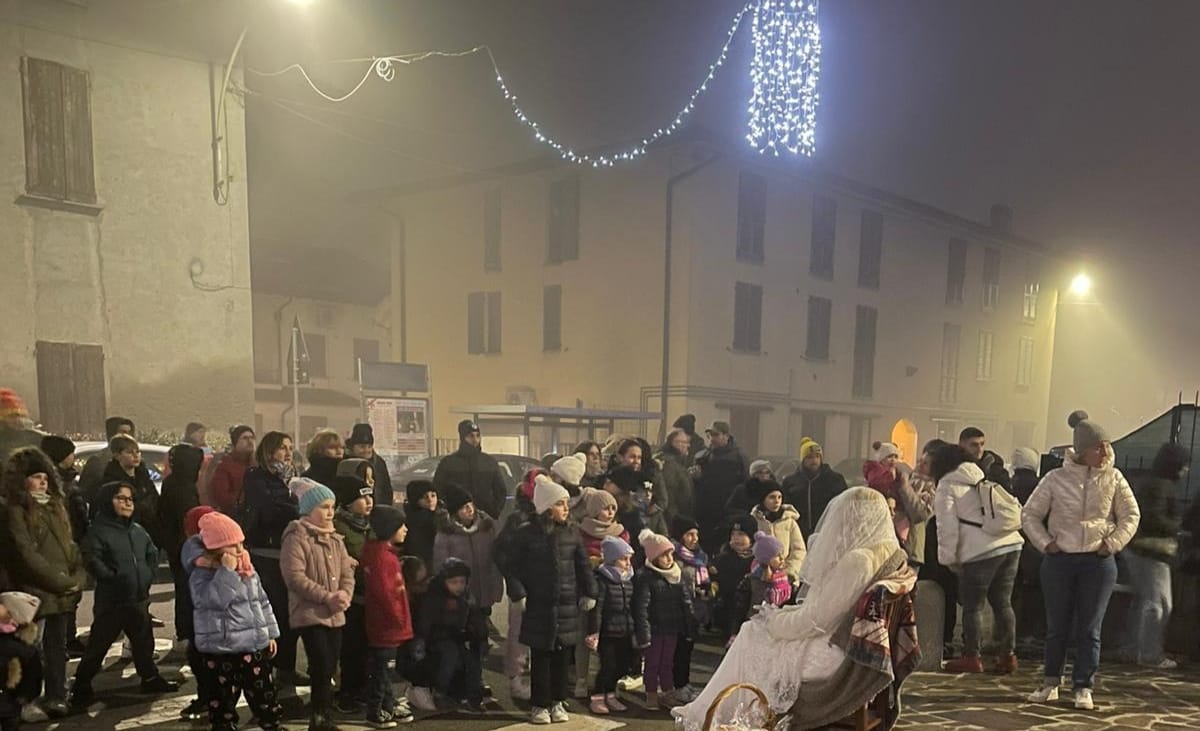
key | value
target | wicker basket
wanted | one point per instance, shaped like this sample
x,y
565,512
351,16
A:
x,y
769,720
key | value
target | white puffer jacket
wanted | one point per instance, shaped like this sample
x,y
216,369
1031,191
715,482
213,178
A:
x,y
956,497
787,531
1087,508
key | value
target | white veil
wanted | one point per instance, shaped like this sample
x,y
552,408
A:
x,y
857,518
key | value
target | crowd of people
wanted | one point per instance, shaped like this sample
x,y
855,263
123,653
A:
x,y
610,563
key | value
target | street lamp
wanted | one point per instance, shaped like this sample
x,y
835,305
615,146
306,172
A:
x,y
1081,285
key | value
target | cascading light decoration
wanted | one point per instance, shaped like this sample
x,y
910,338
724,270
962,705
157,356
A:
x,y
784,72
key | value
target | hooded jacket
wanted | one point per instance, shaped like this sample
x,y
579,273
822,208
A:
x,y
446,617
785,529
41,554
810,494
473,546
119,554
232,613
315,565
388,614
1158,532
145,494
478,473
957,499
1081,509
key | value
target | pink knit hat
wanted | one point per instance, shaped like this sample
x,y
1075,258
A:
x,y
655,545
218,530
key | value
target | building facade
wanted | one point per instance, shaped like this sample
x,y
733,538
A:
x,y
126,285
801,304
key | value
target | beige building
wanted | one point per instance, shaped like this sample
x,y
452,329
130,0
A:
x,y
126,285
800,303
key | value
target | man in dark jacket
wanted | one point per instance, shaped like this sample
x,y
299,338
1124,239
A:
x,y
722,468
973,440
674,460
810,488
473,470
92,476
121,558
687,423
361,444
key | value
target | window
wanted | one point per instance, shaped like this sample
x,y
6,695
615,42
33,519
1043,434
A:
x,y
946,430
820,313
491,230
752,216
956,272
812,424
483,323
314,346
552,317
70,387
983,366
366,350
824,231
1025,363
991,279
58,131
864,352
747,317
563,223
1032,289
870,249
951,335
744,424
860,436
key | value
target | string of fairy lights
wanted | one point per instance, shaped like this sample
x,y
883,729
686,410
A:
x,y
784,73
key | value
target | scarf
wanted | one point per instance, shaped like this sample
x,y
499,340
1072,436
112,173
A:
x,y
672,575
283,470
41,497
697,559
779,587
244,569
596,529
361,522
748,553
616,575
318,528
771,517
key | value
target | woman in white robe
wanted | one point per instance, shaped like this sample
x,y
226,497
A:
x,y
778,649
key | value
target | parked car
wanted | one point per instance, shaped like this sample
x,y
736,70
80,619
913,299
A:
x,y
512,466
154,456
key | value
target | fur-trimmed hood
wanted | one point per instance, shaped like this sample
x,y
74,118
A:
x,y
26,461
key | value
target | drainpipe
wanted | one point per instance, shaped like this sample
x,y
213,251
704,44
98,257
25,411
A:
x,y
666,344
279,344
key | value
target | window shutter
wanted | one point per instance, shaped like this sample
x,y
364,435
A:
x,y
77,121
493,322
56,383
563,224
863,382
45,160
87,364
752,216
475,315
491,230
820,311
824,233
870,249
755,318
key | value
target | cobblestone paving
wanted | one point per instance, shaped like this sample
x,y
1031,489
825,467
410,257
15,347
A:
x,y
1126,697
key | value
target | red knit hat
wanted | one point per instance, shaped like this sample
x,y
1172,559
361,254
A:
x,y
11,405
218,530
191,519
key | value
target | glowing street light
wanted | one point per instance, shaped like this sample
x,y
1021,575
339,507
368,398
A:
x,y
1081,285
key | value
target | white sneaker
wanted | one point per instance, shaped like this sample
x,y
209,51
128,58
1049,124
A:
x,y
539,716
1045,694
631,684
558,713
421,699
1083,699
1164,664
519,688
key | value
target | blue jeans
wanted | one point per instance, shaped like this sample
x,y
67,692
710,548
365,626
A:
x,y
989,581
379,692
1151,609
1079,585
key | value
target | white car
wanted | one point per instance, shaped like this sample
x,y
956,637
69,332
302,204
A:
x,y
154,456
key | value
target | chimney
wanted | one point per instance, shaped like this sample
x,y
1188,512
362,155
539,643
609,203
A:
x,y
1001,218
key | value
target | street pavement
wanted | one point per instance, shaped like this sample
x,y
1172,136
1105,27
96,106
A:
x,y
1127,697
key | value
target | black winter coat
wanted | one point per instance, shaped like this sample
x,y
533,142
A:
x,y
267,509
322,468
477,473
613,615
120,555
1158,531
443,617
178,497
1024,482
659,607
383,481
29,686
549,569
422,531
145,497
721,471
728,570
810,495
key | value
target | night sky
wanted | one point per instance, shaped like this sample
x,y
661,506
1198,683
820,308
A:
x,y
1083,116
